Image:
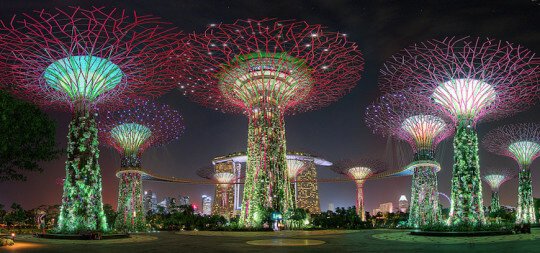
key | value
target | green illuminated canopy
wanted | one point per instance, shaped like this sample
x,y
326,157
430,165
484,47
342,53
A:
x,y
465,98
274,79
423,129
524,151
83,77
130,136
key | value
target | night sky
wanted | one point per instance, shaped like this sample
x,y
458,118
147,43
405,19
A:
x,y
380,28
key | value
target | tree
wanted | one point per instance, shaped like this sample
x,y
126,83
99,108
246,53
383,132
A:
x,y
295,217
26,138
110,214
17,215
2,213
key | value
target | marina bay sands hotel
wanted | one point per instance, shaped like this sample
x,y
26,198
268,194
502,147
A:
x,y
302,172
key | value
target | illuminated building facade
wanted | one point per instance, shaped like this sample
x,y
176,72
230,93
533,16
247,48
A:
x,y
206,205
150,201
386,207
307,190
183,200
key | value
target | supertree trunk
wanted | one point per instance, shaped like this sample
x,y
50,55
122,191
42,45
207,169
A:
x,y
360,201
131,215
82,206
495,204
267,184
424,208
132,161
294,192
466,192
525,209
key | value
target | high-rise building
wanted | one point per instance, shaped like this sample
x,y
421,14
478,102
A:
x,y
375,211
149,201
183,200
331,207
307,192
169,204
403,204
386,207
206,205
164,205
306,189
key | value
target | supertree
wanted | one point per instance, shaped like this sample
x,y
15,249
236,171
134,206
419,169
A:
x,y
81,59
131,132
470,79
495,177
522,143
223,199
359,171
414,120
294,168
266,69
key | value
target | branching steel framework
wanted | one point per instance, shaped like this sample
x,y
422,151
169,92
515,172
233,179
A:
x,y
522,143
80,59
495,177
131,132
359,170
294,168
423,126
471,79
265,69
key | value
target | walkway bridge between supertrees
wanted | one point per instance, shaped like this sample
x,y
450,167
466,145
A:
x,y
152,177
242,158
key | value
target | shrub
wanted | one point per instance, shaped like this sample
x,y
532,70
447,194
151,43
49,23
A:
x,y
6,242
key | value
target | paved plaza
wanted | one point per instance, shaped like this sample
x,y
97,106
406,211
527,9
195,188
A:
x,y
288,241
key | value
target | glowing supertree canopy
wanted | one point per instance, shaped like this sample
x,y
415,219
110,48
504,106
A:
x,y
413,119
93,56
525,151
83,77
295,167
409,118
130,136
291,64
495,177
495,180
224,178
470,79
359,170
521,142
82,58
465,98
265,69
131,131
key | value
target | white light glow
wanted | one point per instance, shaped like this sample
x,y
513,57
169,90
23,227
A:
x,y
524,151
295,167
494,181
465,98
423,129
224,178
